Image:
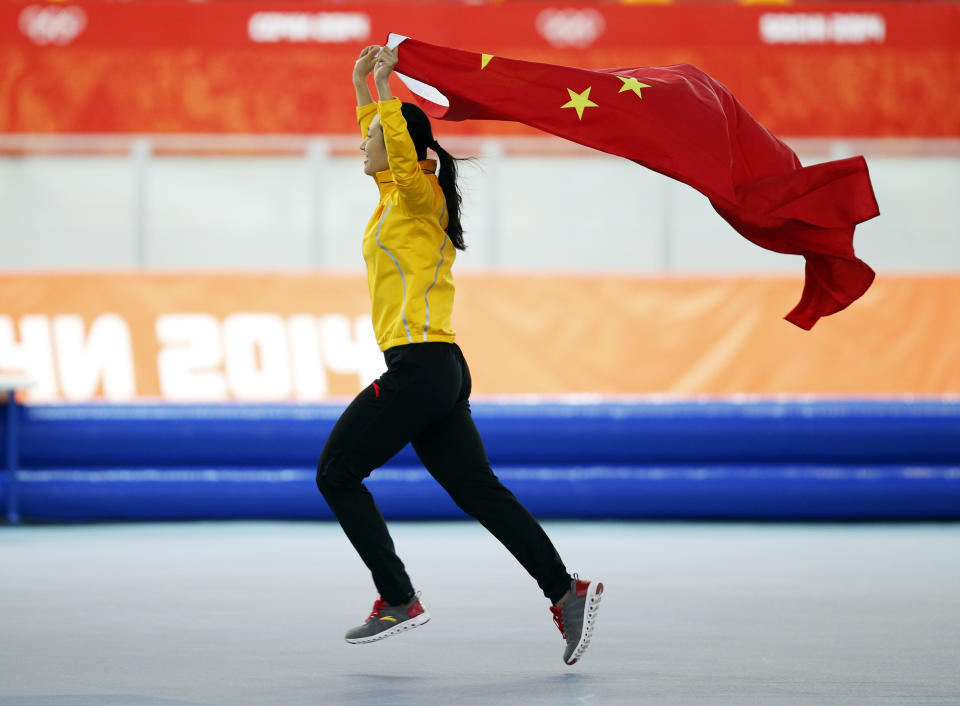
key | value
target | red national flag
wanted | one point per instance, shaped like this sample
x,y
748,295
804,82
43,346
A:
x,y
680,122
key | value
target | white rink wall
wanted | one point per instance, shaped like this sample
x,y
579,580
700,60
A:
x,y
254,202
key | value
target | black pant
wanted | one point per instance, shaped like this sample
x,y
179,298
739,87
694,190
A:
x,y
423,399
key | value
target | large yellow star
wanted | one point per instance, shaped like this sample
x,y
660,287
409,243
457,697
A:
x,y
631,84
579,101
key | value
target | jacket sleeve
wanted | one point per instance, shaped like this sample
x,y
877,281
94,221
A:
x,y
414,187
365,115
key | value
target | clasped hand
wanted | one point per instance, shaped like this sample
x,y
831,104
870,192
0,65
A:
x,y
380,60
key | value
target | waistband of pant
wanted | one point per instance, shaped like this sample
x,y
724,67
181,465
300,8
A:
x,y
419,350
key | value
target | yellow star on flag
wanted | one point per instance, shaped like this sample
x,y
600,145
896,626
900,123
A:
x,y
484,60
580,101
631,84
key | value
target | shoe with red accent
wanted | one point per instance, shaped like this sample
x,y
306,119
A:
x,y
387,620
575,614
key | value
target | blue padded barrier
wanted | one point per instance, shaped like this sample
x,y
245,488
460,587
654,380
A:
x,y
764,431
680,492
748,459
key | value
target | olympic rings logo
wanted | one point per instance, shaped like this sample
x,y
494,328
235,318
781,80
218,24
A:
x,y
52,25
570,28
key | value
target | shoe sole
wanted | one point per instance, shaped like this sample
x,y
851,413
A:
x,y
406,625
594,592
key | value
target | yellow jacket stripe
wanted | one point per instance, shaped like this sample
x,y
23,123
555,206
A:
x,y
403,281
406,249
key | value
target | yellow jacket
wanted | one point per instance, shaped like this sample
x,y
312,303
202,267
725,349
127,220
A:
x,y
405,246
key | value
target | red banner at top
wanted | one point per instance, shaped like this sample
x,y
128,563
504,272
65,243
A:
x,y
536,26
856,69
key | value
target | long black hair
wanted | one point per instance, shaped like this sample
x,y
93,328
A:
x,y
418,125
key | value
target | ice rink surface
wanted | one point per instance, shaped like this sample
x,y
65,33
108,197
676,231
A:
x,y
254,613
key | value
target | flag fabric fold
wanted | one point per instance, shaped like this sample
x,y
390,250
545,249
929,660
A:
x,y
680,122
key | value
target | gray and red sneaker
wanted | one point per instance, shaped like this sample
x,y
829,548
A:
x,y
387,620
575,615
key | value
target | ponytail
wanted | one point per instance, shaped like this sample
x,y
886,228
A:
x,y
418,125
447,177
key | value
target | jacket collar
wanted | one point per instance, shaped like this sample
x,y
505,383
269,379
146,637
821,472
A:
x,y
384,179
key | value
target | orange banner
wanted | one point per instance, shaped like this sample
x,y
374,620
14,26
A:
x,y
259,337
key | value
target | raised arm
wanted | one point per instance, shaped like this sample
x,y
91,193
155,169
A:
x,y
414,187
366,108
361,70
